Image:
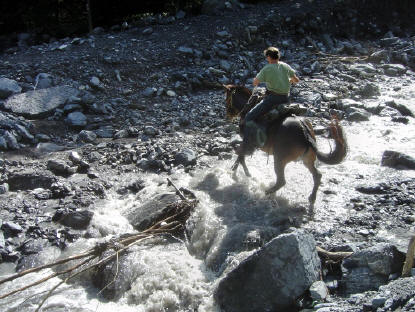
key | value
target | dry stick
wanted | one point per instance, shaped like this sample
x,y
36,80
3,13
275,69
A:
x,y
105,260
335,256
47,278
177,190
32,270
409,260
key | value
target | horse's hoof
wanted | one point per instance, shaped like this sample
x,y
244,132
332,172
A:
x,y
270,191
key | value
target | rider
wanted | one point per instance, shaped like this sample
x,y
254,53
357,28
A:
x,y
278,77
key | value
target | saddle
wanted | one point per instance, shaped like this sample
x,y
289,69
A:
x,y
258,130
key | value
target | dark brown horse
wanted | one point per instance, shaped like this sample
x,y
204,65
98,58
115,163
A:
x,y
288,140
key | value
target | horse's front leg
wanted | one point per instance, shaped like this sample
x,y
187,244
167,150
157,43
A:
x,y
241,160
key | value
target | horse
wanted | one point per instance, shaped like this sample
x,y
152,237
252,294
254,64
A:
x,y
288,139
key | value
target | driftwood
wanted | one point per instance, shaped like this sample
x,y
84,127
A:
x,y
409,260
337,256
174,224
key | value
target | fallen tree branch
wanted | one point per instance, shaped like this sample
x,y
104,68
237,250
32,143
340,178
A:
x,y
171,224
409,260
334,256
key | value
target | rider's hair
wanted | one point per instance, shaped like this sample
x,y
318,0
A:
x,y
272,52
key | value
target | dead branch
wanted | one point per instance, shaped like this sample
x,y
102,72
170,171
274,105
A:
x,y
333,256
171,224
409,260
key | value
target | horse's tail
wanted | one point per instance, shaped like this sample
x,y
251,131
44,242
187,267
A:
x,y
339,152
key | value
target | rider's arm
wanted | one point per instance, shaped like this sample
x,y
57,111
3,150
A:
x,y
294,79
256,82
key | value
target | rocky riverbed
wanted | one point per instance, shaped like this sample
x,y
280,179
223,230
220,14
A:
x,y
92,127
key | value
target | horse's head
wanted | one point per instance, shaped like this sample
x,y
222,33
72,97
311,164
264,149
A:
x,y
236,98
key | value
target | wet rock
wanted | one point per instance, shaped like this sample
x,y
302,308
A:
x,y
397,160
39,103
238,238
133,187
288,265
185,157
8,87
78,220
370,268
143,216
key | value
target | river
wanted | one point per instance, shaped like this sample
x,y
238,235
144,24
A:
x,y
181,276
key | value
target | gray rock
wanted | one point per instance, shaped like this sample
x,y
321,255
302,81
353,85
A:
x,y
8,87
319,291
105,132
44,81
4,188
11,229
10,140
60,167
75,219
394,70
39,103
379,56
369,90
86,136
185,157
149,92
397,160
404,110
121,134
76,120
143,216
185,50
272,278
95,83
370,268
30,180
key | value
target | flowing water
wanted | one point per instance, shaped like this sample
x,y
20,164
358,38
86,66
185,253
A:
x,y
181,276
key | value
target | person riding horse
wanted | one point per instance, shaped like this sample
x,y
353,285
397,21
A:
x,y
278,77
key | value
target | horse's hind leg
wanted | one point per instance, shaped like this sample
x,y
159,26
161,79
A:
x,y
309,161
279,167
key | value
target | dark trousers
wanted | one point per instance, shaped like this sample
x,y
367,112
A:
x,y
251,140
269,102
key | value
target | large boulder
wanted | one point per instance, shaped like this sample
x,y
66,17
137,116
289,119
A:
x,y
370,268
272,278
39,103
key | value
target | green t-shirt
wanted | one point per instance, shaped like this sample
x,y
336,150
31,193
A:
x,y
277,77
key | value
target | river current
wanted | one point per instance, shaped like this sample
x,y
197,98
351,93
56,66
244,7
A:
x,y
181,276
